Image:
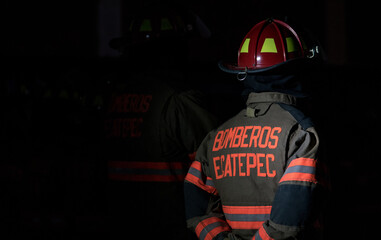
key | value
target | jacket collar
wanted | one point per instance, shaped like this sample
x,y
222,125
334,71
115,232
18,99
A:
x,y
271,97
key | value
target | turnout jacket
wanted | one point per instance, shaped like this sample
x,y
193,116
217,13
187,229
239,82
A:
x,y
254,177
153,127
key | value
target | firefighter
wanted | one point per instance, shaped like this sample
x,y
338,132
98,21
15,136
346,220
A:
x,y
154,123
255,176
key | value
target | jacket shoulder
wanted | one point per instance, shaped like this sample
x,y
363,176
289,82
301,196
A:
x,y
304,121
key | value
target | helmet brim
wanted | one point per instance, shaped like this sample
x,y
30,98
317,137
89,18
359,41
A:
x,y
289,65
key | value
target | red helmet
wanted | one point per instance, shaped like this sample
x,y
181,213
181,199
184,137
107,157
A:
x,y
268,44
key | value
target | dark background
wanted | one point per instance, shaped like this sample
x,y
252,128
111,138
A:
x,y
55,55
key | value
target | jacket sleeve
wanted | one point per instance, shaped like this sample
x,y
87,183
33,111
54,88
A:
x,y
202,204
292,207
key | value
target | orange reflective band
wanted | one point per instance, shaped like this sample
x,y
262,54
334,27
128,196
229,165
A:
x,y
300,169
196,165
245,224
247,209
210,228
199,183
195,176
303,161
304,177
246,217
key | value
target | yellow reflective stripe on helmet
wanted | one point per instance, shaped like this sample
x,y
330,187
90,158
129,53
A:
x,y
291,47
269,46
245,46
166,24
145,26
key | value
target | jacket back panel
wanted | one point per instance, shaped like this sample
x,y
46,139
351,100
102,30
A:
x,y
247,160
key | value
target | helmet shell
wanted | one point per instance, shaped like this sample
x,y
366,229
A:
x,y
269,44
152,24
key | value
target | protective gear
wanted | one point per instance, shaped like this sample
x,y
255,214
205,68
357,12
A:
x,y
269,45
255,176
154,124
152,127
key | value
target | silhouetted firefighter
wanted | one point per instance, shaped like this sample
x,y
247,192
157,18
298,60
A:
x,y
153,126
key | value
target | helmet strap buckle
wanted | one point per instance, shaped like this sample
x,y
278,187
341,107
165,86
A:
x,y
313,51
242,75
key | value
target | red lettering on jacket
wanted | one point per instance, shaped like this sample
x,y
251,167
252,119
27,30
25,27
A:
x,y
240,164
123,127
145,103
218,141
243,165
274,137
217,167
237,137
244,136
229,136
234,159
260,164
260,137
249,164
254,136
123,124
264,138
228,167
130,103
273,172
